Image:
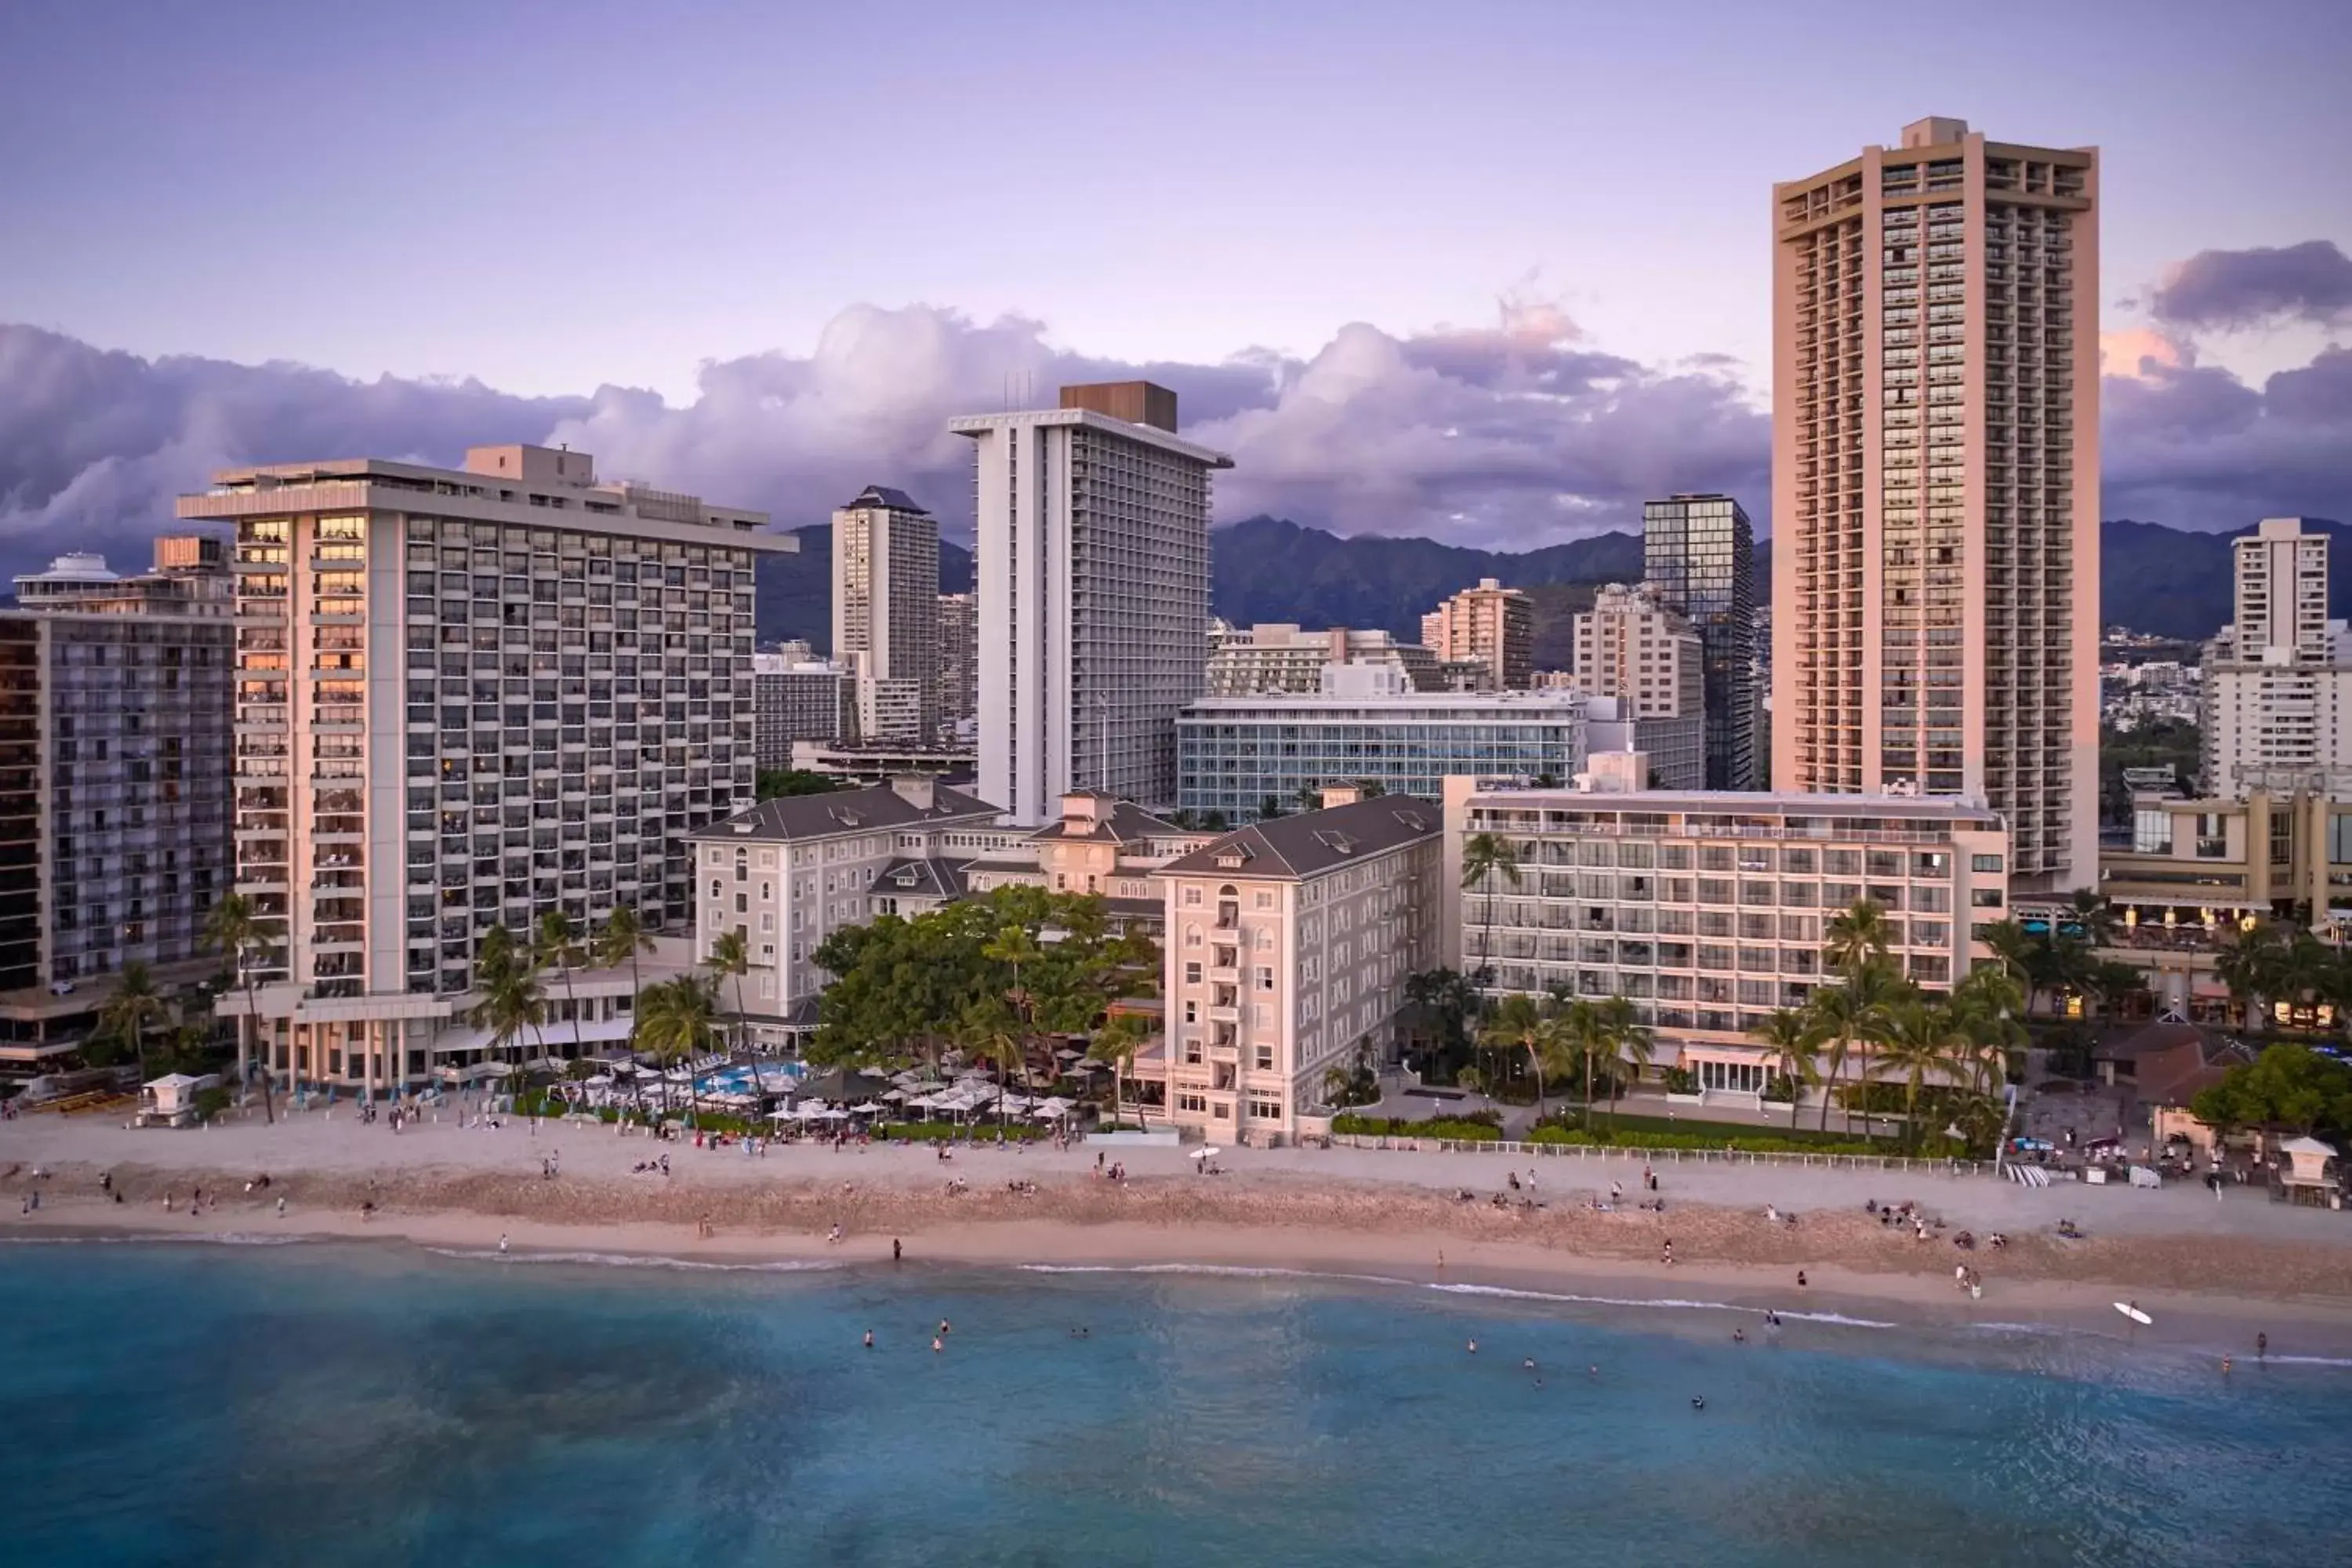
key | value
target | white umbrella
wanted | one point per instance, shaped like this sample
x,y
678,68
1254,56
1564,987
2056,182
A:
x,y
835,1114
896,1094
868,1108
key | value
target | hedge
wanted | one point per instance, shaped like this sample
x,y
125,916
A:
x,y
1474,1127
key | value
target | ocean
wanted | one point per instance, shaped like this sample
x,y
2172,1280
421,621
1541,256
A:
x,y
356,1404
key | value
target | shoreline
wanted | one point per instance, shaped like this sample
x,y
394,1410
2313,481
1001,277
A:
x,y
2316,1327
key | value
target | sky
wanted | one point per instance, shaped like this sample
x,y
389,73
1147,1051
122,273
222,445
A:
x,y
1488,271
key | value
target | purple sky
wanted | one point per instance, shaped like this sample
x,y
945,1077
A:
x,y
551,199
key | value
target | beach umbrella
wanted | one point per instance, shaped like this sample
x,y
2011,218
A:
x,y
868,1108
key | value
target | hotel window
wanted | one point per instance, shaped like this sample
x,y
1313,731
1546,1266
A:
x,y
1193,972
2212,837
1265,1058
1193,1102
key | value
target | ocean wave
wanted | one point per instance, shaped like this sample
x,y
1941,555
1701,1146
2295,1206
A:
x,y
632,1260
2305,1361
1678,1303
1222,1270
152,1238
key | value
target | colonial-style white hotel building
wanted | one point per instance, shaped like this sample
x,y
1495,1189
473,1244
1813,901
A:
x,y
466,696
1093,568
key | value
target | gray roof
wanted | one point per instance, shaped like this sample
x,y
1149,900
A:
x,y
1316,841
1127,823
914,876
883,495
844,811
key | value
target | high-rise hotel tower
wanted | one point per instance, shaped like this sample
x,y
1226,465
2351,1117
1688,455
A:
x,y
1093,568
465,698
1936,484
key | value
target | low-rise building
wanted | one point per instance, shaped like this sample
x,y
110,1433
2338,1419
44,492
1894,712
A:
x,y
1236,754
1099,845
790,872
1288,943
1707,909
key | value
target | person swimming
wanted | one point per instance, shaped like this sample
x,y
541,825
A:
x,y
938,1344
943,1325
1739,1336
869,1339
1528,1365
1698,1404
1473,1347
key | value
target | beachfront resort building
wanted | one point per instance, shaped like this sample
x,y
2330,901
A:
x,y
115,746
1286,950
1936,484
1093,589
790,872
466,697
1707,909
1239,756
1268,659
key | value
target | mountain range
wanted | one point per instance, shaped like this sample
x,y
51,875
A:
x,y
2169,582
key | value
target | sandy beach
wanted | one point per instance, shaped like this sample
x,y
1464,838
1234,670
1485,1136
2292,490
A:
x,y
2199,1267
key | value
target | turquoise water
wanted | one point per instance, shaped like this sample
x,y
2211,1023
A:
x,y
167,1404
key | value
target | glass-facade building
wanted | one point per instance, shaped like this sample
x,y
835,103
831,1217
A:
x,y
1699,553
1234,754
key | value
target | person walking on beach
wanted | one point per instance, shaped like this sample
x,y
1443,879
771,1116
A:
x,y
502,1243
2262,1346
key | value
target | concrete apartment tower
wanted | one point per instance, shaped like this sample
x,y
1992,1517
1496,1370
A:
x,y
1936,484
1630,645
956,688
1489,624
465,698
1698,551
885,611
1093,590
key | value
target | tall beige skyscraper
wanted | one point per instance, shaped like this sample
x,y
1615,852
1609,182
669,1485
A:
x,y
886,610
1490,622
1936,484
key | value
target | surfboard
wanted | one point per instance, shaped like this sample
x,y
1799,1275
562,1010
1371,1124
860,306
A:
x,y
2133,1313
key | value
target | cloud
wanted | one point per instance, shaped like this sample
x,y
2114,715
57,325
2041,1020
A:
x,y
1513,434
2195,447
2265,285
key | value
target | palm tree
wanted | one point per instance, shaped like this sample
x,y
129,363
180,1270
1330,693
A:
x,y
1013,946
1856,937
1444,996
1627,1040
1114,1046
1851,1016
679,1024
2016,949
620,940
2096,915
1582,1034
560,947
1919,1038
509,997
135,1008
1986,1006
731,959
231,931
1793,1039
1519,1023
2251,964
1485,857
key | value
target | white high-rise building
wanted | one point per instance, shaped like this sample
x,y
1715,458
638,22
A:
x,y
467,698
886,610
1630,645
1093,586
2276,705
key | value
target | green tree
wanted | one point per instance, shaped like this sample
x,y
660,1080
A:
x,y
1442,999
1519,1023
2253,964
1114,1046
772,782
1628,1042
1987,1006
2016,949
232,930
1856,938
559,947
1851,1017
1919,1040
2289,1087
2092,912
1485,857
679,1024
133,1009
1793,1039
508,997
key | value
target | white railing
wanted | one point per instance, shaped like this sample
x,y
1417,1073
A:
x,y
1402,1143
